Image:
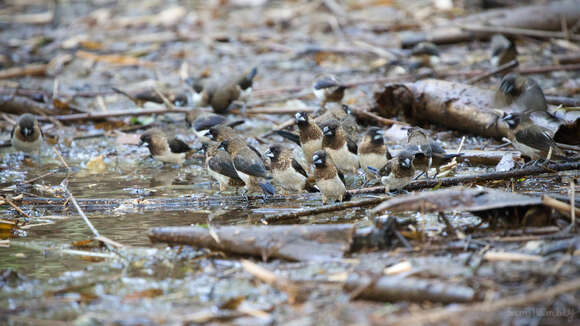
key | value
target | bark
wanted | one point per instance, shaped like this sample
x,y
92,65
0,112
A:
x,y
546,17
393,288
462,107
296,243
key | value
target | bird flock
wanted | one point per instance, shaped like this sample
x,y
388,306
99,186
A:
x,y
332,142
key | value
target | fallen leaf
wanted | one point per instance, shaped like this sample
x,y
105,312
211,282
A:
x,y
97,164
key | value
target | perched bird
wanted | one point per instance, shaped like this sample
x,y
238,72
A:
x,y
26,136
221,93
223,132
398,172
161,149
220,166
372,150
200,122
248,165
503,50
286,171
310,135
531,140
343,113
327,178
427,153
523,91
342,151
328,89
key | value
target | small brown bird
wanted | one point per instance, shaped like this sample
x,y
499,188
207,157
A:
x,y
372,150
220,133
221,93
327,178
287,172
163,150
26,136
328,89
523,91
503,50
531,140
427,153
310,135
398,172
220,166
347,120
248,165
200,122
342,151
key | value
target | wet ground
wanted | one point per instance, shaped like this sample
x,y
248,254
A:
x,y
44,281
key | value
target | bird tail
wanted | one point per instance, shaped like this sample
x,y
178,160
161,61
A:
x,y
288,135
450,156
268,188
236,123
347,196
311,187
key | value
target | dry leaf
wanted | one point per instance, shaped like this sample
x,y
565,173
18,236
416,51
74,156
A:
x,y
97,164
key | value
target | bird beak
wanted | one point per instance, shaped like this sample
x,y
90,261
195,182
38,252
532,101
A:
x,y
380,132
378,137
327,131
299,117
406,163
27,132
269,153
209,135
507,116
316,159
222,146
346,109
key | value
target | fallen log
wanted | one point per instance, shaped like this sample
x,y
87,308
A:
x,y
20,105
461,107
513,21
394,288
296,243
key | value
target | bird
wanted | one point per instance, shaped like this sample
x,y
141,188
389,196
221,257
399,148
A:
x,y
343,113
398,172
26,135
372,150
248,165
503,50
220,93
223,132
328,89
162,149
310,138
342,151
522,91
286,170
219,166
427,153
531,140
327,178
200,122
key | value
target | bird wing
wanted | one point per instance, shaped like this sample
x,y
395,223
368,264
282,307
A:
x,y
436,148
222,164
178,146
325,83
299,168
352,146
250,164
536,137
208,121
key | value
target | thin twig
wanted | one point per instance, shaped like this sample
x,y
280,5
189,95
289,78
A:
x,y
562,207
18,209
322,209
517,31
500,69
572,203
